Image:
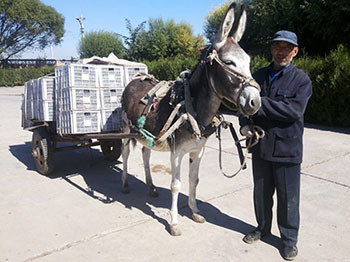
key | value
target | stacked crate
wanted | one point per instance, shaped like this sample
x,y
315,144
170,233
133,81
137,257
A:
x,y
111,80
35,99
88,96
45,93
78,99
132,70
27,105
38,101
28,100
81,98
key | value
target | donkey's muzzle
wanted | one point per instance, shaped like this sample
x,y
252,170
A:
x,y
249,100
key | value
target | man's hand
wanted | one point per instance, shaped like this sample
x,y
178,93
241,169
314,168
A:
x,y
247,131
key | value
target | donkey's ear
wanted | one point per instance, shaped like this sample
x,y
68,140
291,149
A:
x,y
226,26
238,31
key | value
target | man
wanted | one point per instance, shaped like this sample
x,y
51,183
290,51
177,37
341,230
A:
x,y
276,159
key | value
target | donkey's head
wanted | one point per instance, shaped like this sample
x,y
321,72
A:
x,y
228,70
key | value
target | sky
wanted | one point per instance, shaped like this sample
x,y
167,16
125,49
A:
x,y
110,15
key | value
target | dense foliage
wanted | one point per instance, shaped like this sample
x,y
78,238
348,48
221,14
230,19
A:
x,y
330,77
16,77
214,20
169,69
28,24
165,46
161,39
101,44
320,25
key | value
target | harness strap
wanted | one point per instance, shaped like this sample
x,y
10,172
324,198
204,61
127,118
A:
x,y
172,129
170,119
160,90
189,109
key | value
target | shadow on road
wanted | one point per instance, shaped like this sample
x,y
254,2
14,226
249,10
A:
x,y
23,153
103,183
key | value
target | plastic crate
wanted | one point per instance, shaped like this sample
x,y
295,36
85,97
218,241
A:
x,y
131,71
111,98
112,120
78,99
25,122
28,90
79,122
46,88
47,110
35,89
77,75
35,106
29,109
111,76
28,98
59,72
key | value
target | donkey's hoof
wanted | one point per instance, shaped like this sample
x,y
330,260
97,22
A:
x,y
125,190
175,230
198,218
153,192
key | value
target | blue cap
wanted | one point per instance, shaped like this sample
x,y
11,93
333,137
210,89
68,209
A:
x,y
286,36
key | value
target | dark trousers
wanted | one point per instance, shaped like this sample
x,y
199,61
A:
x,y
285,179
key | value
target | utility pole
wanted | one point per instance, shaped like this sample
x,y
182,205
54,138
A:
x,y
82,28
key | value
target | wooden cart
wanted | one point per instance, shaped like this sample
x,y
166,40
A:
x,y
46,142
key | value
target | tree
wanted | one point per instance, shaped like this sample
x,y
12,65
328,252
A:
x,y
185,43
101,44
162,40
133,49
320,25
28,24
214,20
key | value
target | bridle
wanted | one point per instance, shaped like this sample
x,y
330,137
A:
x,y
243,80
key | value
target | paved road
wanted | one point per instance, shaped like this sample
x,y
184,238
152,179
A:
x,y
79,213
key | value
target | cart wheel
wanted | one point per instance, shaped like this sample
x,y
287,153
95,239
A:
x,y
112,149
43,151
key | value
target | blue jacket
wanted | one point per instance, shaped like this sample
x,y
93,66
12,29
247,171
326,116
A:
x,y
281,115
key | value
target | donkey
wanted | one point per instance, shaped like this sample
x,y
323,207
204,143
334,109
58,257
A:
x,y
225,74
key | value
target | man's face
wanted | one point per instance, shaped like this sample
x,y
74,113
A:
x,y
283,53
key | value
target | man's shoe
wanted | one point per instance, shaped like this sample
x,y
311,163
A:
x,y
252,237
290,253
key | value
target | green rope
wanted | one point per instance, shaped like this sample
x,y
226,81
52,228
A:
x,y
149,137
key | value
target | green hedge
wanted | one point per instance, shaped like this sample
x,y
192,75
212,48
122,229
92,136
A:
x,y
330,76
16,77
170,68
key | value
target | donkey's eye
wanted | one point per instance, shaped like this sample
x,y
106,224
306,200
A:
x,y
228,62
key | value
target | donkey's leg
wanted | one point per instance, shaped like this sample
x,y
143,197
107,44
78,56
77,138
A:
x,y
125,155
146,155
175,158
195,158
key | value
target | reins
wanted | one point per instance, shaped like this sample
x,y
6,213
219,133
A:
x,y
258,133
